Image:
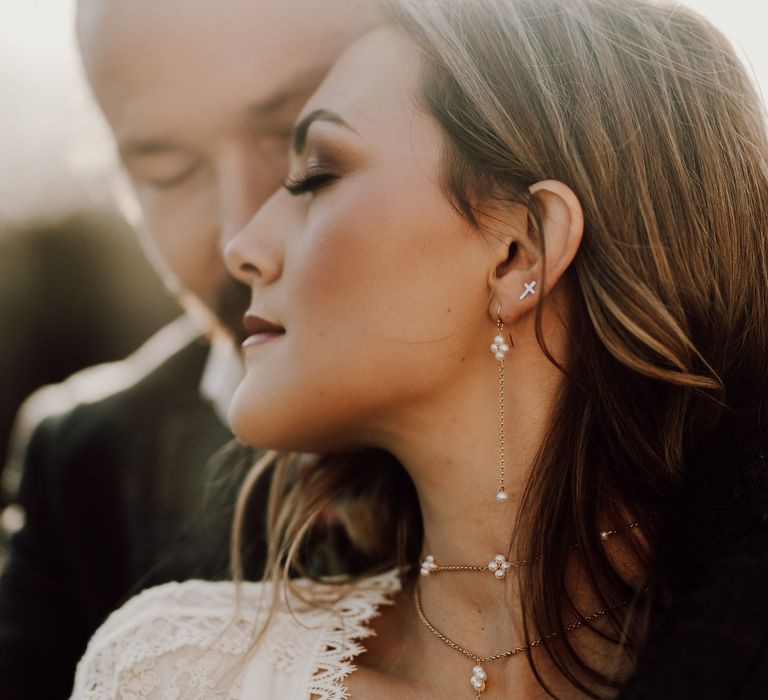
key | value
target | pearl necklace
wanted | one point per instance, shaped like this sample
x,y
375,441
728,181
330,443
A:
x,y
479,675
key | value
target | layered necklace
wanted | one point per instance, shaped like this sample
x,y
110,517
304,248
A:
x,y
499,566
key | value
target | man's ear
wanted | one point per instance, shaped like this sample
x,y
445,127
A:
x,y
516,279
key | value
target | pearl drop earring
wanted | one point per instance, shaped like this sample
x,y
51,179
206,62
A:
x,y
499,348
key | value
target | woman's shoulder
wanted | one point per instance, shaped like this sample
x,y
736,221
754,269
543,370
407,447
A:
x,y
190,639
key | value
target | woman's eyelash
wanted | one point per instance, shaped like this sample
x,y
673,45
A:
x,y
307,183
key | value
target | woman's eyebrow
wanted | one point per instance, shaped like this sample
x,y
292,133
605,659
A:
x,y
299,137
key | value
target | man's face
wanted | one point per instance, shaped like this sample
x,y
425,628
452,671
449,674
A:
x,y
201,97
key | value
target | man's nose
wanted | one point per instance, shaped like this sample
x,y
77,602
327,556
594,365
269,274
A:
x,y
244,181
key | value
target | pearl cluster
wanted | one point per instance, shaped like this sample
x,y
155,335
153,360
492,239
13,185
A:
x,y
478,679
499,566
428,566
499,347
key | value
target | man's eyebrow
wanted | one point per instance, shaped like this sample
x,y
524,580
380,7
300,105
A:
x,y
135,148
299,137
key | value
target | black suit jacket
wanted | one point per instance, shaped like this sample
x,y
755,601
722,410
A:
x,y
119,494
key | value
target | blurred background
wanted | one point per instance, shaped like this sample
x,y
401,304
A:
x,y
75,287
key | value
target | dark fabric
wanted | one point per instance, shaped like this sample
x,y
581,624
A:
x,y
119,495
713,642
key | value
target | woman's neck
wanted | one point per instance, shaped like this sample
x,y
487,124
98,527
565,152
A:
x,y
450,447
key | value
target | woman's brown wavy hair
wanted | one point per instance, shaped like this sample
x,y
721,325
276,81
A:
x,y
645,111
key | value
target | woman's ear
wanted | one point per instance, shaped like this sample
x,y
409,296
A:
x,y
516,280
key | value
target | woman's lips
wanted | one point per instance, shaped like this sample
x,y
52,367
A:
x,y
259,338
259,330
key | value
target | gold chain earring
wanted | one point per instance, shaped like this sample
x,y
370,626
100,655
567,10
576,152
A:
x,y
500,348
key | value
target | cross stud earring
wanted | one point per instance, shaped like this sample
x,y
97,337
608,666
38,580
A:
x,y
530,288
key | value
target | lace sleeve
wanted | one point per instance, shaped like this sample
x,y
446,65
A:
x,y
171,642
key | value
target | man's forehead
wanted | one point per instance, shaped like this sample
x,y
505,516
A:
x,y
147,128
147,58
181,70
218,35
263,32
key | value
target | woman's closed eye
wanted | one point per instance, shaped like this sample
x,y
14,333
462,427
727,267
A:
x,y
308,182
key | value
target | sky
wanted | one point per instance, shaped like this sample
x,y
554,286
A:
x,y
55,148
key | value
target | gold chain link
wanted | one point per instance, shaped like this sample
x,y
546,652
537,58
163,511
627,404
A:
x,y
500,324
504,654
604,535
477,567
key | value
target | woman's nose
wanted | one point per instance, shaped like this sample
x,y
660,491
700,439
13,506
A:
x,y
254,253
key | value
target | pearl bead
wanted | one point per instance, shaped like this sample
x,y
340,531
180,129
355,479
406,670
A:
x,y
477,670
428,565
498,340
478,685
500,574
480,673
493,566
502,496
500,558
506,565
499,355
604,535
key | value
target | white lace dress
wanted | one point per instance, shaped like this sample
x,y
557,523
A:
x,y
175,642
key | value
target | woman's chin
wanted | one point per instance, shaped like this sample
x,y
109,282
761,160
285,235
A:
x,y
267,431
258,433
285,426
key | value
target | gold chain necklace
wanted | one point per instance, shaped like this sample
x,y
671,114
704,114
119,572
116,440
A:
x,y
499,566
479,675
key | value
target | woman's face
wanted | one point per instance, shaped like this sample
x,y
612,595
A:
x,y
381,286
